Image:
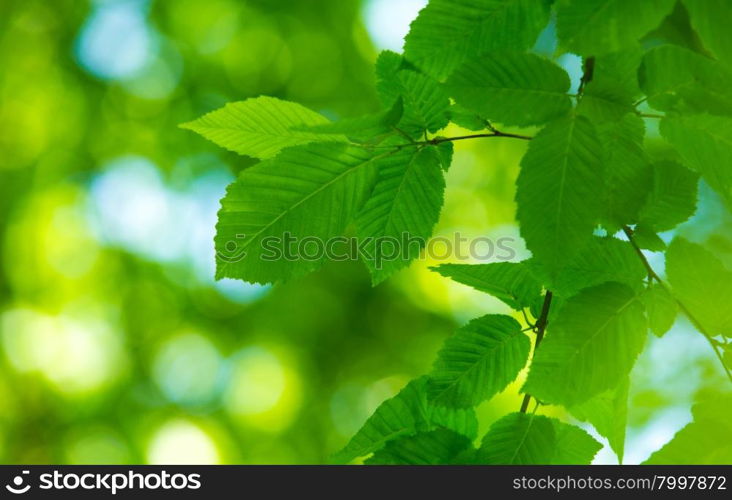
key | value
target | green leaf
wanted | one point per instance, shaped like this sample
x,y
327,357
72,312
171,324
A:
x,y
461,420
559,191
710,19
608,414
628,172
705,441
573,445
260,127
705,144
399,216
676,29
406,414
646,238
447,32
512,88
661,309
602,260
591,346
613,90
311,191
438,447
677,79
466,118
529,439
365,128
510,282
672,199
445,151
597,27
518,439
426,104
702,283
388,65
478,361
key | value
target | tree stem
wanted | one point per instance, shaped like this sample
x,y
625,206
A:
x,y
694,321
650,115
496,133
540,329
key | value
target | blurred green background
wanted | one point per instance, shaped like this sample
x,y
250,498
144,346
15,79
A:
x,y
116,344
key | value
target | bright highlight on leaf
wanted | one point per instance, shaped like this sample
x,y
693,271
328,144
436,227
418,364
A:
x,y
478,361
311,191
510,282
260,127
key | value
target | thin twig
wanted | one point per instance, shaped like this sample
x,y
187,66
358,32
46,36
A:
x,y
404,134
650,115
438,140
540,329
526,319
694,321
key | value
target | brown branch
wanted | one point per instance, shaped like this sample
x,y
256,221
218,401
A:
x,y
588,72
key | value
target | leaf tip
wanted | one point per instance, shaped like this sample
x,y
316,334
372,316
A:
x,y
191,125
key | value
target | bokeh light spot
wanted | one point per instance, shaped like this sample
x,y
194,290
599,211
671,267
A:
x,y
115,42
76,356
181,442
96,445
263,390
132,208
187,368
388,21
258,382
